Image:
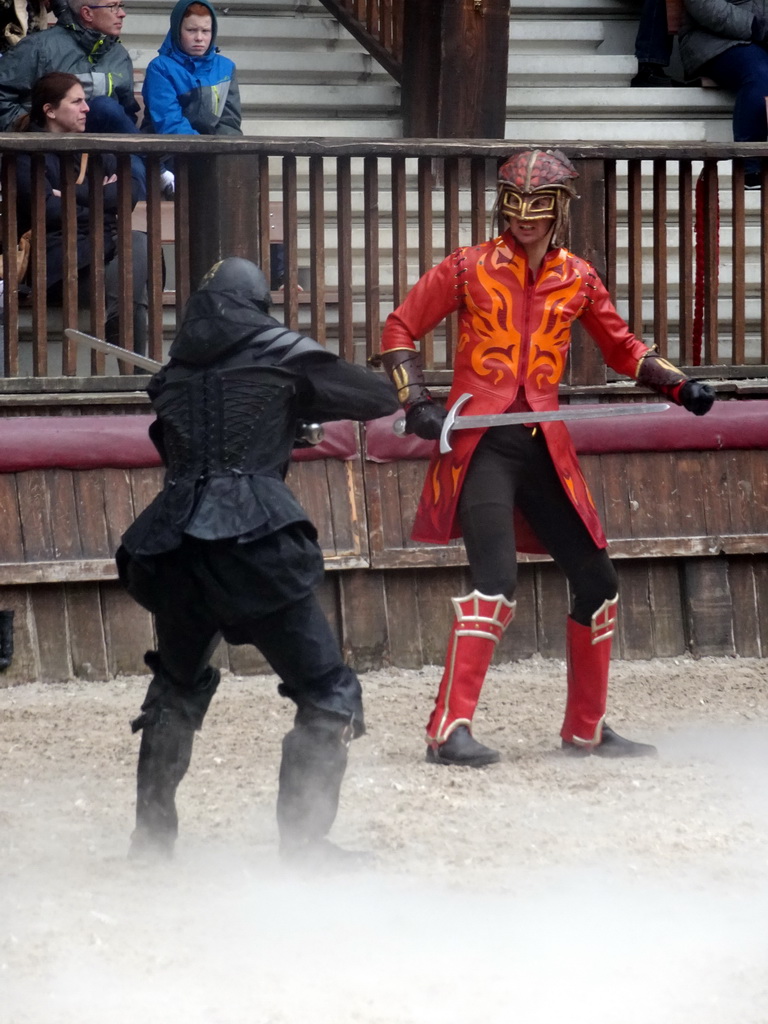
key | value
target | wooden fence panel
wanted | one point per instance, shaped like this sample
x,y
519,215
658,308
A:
x,y
87,636
709,607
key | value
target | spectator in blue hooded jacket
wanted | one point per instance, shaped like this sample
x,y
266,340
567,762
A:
x,y
190,88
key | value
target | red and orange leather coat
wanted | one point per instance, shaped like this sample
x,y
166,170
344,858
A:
x,y
514,336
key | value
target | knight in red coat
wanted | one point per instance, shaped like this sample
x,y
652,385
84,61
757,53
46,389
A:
x,y
512,488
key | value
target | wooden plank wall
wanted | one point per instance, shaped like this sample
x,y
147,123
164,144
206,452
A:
x,y
652,505
57,569
668,607
687,529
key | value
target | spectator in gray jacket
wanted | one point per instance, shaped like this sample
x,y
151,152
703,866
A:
x,y
726,40
85,42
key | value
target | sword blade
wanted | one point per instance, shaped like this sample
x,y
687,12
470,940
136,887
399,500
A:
x,y
580,412
133,358
312,433
570,413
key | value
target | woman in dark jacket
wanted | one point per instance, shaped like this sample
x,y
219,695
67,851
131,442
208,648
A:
x,y
59,106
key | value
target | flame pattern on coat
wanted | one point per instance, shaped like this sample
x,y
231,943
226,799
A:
x,y
513,341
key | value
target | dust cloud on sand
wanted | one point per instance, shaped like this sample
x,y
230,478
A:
x,y
539,890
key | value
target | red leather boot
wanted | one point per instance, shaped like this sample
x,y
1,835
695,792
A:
x,y
480,623
589,653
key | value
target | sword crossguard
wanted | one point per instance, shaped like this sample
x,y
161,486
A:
x,y
450,419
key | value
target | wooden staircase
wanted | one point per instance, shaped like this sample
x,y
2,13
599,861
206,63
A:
x,y
570,65
304,74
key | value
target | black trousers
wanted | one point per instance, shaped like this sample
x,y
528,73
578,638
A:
x,y
203,591
511,468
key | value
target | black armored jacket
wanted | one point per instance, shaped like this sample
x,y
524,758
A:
x,y
228,404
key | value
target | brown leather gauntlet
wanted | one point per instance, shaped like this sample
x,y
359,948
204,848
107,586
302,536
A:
x,y
403,366
660,375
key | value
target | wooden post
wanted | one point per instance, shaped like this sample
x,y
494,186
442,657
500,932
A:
x,y
588,240
223,211
455,68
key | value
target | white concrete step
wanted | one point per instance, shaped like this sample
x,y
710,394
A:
x,y
574,9
247,8
339,101
547,36
315,66
635,103
259,33
337,66
557,130
612,70
323,127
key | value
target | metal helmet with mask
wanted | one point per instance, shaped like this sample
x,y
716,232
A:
x,y
536,184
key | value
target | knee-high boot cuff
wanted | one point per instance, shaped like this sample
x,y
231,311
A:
x,y
164,758
480,623
337,693
311,772
588,651
189,703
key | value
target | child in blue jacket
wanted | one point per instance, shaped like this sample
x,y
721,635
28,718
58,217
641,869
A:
x,y
190,88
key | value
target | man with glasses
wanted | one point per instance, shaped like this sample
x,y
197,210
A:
x,y
85,41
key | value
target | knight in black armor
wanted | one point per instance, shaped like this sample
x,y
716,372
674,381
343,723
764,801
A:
x,y
225,550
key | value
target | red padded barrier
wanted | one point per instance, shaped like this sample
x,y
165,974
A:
x,y
120,442
729,424
75,442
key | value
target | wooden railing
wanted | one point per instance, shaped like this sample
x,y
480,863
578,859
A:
x,y
377,24
682,245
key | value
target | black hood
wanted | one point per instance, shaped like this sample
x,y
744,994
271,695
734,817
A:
x,y
223,315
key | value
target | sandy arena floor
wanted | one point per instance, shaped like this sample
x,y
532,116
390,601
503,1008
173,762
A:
x,y
538,891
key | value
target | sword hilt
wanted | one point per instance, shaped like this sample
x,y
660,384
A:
x,y
450,419
310,433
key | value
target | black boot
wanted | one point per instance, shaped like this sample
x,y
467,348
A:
x,y
311,771
164,756
611,745
170,716
6,639
462,749
651,76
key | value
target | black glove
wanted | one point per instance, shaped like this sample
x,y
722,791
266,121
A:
x,y
425,419
759,30
697,397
